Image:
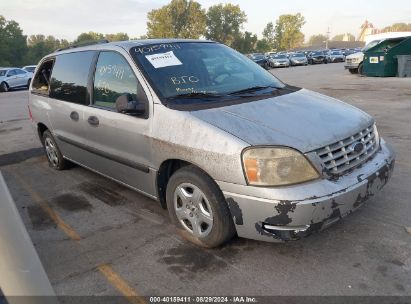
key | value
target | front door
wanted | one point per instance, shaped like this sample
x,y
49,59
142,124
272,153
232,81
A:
x,y
119,143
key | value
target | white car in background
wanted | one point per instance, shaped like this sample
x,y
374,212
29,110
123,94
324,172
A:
x,y
13,78
30,69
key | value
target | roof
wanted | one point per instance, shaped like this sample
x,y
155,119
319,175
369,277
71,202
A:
x,y
126,44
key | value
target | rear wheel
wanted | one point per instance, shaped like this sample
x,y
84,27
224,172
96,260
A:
x,y
54,156
4,87
198,209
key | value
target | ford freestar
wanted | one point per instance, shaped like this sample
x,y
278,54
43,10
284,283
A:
x,y
222,143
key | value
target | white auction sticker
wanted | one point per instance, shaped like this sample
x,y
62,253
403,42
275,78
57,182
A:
x,y
163,60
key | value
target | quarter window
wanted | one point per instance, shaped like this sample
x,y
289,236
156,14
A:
x,y
41,82
70,77
11,73
113,78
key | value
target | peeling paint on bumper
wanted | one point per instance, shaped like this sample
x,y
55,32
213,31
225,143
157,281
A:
x,y
256,216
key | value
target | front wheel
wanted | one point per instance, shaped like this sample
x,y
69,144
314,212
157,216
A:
x,y
4,87
198,209
360,69
28,83
353,71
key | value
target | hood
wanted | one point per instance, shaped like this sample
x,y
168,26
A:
x,y
303,120
355,55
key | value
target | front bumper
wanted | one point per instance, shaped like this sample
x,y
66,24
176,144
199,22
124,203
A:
x,y
351,65
281,64
289,213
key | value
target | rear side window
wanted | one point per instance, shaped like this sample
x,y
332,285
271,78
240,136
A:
x,y
70,77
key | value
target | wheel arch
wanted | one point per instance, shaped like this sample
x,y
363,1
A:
x,y
165,171
41,128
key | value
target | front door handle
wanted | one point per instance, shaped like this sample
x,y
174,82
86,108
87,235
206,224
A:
x,y
93,120
74,116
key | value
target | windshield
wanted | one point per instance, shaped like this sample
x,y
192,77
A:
x,y
257,57
30,69
194,69
370,45
297,55
3,72
280,57
317,53
336,53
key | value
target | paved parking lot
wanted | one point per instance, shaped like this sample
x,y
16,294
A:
x,y
95,237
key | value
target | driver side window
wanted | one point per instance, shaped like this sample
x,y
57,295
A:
x,y
113,78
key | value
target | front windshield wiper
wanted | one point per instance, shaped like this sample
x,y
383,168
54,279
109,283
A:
x,y
252,89
195,95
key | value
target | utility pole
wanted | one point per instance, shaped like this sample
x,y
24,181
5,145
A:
x,y
328,38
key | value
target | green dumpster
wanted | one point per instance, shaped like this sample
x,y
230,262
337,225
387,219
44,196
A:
x,y
381,60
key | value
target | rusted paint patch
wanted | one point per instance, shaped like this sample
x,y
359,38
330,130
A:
x,y
236,212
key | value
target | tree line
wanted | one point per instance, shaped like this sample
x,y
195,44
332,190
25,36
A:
x,y
178,19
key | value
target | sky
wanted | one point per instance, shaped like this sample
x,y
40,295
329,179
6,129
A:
x,y
66,19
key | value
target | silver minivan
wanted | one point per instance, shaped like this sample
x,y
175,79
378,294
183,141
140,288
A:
x,y
221,143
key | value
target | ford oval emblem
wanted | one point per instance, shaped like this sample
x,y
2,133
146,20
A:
x,y
357,147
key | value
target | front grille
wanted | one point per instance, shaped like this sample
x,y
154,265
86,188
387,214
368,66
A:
x,y
339,157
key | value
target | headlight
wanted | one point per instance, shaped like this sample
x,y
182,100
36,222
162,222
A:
x,y
377,135
272,166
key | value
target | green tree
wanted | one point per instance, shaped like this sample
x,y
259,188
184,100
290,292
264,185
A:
x,y
263,46
116,37
245,42
13,46
269,35
224,23
398,27
341,37
178,19
317,39
39,46
288,33
87,37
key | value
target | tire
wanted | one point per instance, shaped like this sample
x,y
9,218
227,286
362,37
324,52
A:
x,y
4,87
28,83
353,71
54,156
360,69
205,221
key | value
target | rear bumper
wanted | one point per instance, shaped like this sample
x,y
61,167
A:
x,y
289,213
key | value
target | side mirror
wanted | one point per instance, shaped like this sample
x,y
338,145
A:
x,y
126,105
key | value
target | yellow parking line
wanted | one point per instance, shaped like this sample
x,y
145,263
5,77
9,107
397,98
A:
x,y
120,284
113,278
70,232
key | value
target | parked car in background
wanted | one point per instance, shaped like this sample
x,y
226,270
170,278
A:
x,y
274,163
260,59
298,59
278,61
13,78
335,56
29,68
317,57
